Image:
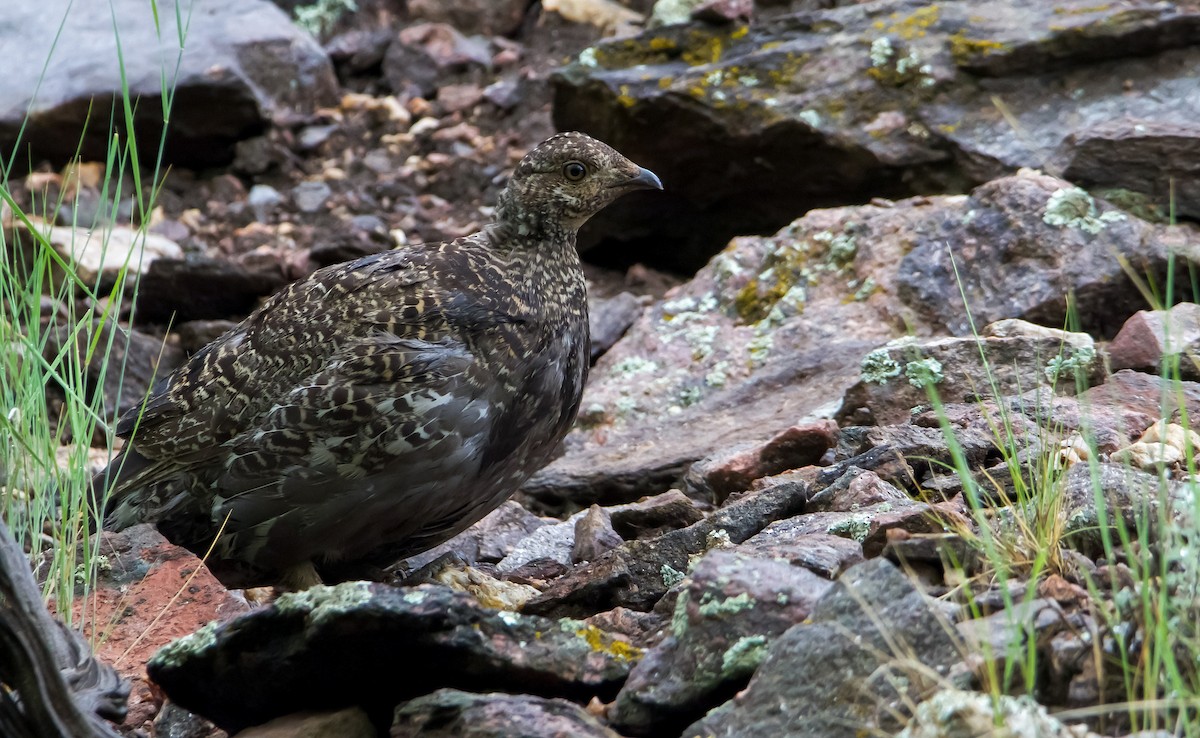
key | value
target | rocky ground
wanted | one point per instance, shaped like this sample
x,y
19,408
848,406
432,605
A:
x,y
755,528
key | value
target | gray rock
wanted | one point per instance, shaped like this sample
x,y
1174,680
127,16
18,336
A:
x,y
794,315
246,66
1131,497
427,56
899,375
821,553
340,646
953,713
637,574
872,618
202,288
490,540
733,607
450,713
904,106
135,362
311,196
263,199
609,318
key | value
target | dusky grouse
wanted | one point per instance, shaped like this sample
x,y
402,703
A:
x,y
380,406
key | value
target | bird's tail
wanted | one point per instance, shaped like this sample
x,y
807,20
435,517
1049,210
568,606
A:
x,y
117,495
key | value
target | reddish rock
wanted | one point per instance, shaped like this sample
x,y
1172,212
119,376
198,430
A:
x,y
1152,335
734,470
150,592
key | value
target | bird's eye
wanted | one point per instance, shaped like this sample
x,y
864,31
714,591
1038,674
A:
x,y
574,171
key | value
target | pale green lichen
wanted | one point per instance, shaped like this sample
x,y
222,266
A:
x,y
744,656
175,653
924,372
322,602
689,396
878,367
759,348
670,575
1072,207
321,16
1080,361
881,51
811,117
632,365
711,607
717,377
864,290
856,526
587,58
415,596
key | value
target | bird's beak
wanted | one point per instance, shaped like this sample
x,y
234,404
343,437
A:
x,y
645,180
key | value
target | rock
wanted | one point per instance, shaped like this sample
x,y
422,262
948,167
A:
x,y
173,721
339,646
870,526
101,255
609,318
125,365
1034,239
263,200
854,490
1132,499
1151,337
723,11
653,516
246,66
734,606
611,18
871,616
953,713
594,535
202,288
311,196
637,574
459,98
196,334
734,469
349,723
899,375
489,540
427,56
821,553
486,17
449,713
904,107
1154,158
148,592
793,316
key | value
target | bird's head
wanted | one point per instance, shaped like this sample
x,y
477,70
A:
x,y
565,180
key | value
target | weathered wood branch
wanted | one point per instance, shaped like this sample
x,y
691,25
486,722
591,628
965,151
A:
x,y
50,684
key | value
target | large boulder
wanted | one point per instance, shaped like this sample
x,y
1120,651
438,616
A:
x,y
774,330
750,126
243,64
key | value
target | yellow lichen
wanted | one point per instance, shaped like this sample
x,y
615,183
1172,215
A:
x,y
601,642
914,24
964,50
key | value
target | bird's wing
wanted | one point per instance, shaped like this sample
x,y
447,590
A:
x,y
387,416
222,390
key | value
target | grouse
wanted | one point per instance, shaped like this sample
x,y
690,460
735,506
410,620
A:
x,y
379,407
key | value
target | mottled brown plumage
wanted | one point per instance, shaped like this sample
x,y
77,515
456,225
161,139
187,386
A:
x,y
379,407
